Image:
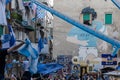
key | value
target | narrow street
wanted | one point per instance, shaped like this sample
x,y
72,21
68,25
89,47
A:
x,y
59,40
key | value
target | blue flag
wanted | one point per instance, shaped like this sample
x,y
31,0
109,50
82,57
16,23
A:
x,y
28,50
40,44
24,51
48,68
31,53
6,40
8,1
12,34
33,65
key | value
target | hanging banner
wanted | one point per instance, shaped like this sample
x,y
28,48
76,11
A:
x,y
107,59
64,59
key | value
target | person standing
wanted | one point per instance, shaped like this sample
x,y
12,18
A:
x,y
26,65
3,53
118,67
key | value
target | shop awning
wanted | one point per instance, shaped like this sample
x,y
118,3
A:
x,y
116,2
113,73
30,28
107,69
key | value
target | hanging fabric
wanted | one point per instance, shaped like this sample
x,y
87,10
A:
x,y
20,3
13,4
3,20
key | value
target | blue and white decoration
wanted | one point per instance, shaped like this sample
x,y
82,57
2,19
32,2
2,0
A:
x,y
40,12
5,40
8,40
107,59
31,53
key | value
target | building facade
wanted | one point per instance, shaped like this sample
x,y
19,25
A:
x,y
106,13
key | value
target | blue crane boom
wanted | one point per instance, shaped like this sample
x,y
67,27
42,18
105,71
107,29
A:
x,y
86,28
116,2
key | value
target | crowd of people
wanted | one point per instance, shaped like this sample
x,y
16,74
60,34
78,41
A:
x,y
28,76
3,53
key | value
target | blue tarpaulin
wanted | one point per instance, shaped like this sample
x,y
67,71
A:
x,y
117,3
48,68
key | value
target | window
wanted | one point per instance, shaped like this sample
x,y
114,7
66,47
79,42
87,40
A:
x,y
90,68
1,30
20,35
108,18
86,19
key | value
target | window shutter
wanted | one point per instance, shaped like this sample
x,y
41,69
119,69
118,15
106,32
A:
x,y
108,18
1,30
86,17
